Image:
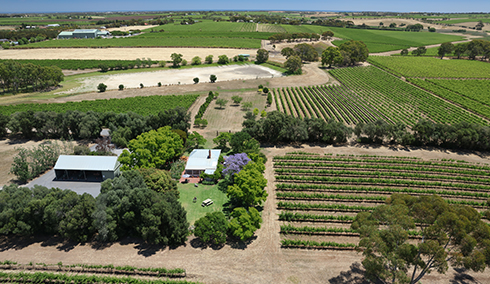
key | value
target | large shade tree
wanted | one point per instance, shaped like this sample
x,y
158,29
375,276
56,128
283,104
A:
x,y
450,234
357,51
152,149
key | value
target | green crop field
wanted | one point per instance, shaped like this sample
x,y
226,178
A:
x,y
141,105
330,190
474,98
368,94
428,67
380,41
478,90
150,42
459,21
75,64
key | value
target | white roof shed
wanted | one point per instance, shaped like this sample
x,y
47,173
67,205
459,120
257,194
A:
x,y
87,163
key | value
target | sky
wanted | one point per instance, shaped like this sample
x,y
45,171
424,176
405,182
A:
x,y
33,6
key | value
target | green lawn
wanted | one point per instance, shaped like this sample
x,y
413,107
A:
x,y
202,192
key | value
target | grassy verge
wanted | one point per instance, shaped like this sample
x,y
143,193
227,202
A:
x,y
202,192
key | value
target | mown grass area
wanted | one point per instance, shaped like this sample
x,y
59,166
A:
x,y
201,192
431,67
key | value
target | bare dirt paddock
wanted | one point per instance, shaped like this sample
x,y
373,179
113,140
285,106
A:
x,y
120,53
176,77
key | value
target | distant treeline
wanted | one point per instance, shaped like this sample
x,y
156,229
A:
x,y
16,35
278,127
77,64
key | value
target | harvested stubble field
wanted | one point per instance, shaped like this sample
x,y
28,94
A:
x,y
121,53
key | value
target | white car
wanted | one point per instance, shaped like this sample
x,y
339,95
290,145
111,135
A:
x,y
206,202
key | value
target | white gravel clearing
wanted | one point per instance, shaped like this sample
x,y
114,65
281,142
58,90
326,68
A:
x,y
176,77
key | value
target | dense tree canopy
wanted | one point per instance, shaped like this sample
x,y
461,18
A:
x,y
244,223
293,64
127,207
248,187
356,51
212,228
445,48
152,149
306,52
331,56
451,234
262,56
15,76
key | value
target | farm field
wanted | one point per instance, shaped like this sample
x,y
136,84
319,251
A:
x,y
141,105
150,42
368,94
172,76
76,64
319,195
429,67
119,53
380,41
470,94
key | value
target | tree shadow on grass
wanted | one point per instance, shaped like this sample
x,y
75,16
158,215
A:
x,y
461,277
353,276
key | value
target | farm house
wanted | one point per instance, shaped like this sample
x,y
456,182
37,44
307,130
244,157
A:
x,y
82,34
201,160
86,168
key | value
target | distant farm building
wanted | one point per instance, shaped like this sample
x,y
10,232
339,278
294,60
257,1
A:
x,y
202,161
82,34
86,168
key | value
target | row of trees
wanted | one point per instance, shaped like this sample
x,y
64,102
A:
x,y
472,49
292,37
279,127
126,207
87,125
15,76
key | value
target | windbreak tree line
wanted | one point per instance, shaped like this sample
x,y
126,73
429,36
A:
x,y
82,125
279,127
126,207
15,76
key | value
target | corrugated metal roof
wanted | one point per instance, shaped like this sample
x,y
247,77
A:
x,y
66,33
86,163
85,31
198,160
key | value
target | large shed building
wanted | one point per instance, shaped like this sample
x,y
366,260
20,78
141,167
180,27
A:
x,y
86,168
202,160
79,33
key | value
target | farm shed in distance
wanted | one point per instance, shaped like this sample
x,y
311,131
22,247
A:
x,y
86,168
202,160
82,34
